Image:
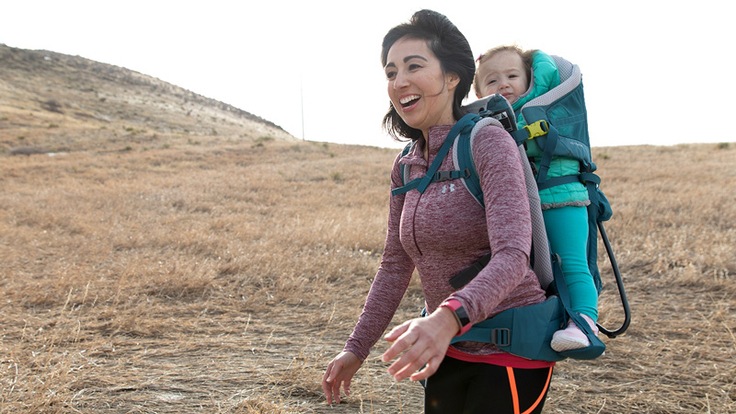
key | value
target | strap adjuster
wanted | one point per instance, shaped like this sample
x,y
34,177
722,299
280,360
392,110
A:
x,y
501,336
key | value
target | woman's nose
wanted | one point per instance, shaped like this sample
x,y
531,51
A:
x,y
400,81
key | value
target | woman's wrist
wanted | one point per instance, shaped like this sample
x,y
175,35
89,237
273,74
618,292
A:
x,y
459,315
450,319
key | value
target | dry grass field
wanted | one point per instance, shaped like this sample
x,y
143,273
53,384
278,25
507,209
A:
x,y
165,254
221,279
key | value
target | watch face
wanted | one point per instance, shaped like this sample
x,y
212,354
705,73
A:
x,y
462,316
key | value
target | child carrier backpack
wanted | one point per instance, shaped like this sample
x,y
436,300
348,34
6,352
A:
x,y
558,121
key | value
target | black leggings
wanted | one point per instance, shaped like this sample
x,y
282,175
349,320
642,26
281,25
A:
x,y
460,387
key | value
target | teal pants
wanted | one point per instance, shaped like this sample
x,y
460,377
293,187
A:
x,y
567,231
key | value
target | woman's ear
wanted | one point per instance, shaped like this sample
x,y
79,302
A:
x,y
452,79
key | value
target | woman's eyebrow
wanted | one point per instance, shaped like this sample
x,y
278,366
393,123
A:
x,y
410,57
406,59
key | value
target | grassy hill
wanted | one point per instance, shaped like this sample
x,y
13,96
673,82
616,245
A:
x,y
50,102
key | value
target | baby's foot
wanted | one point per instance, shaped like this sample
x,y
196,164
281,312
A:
x,y
572,337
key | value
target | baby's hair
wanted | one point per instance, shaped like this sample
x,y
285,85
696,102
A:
x,y
526,58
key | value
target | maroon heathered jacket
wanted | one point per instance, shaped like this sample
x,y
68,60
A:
x,y
444,230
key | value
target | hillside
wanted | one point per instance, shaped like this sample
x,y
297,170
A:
x,y
51,102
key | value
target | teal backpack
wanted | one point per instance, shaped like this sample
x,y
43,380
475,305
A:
x,y
558,121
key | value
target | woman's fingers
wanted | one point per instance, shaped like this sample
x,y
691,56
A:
x,y
420,346
410,362
413,348
339,373
428,370
399,342
328,384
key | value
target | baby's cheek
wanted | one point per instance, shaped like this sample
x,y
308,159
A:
x,y
490,90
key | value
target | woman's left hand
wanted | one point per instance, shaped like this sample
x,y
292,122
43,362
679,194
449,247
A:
x,y
420,342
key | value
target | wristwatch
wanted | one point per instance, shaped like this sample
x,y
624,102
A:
x,y
461,316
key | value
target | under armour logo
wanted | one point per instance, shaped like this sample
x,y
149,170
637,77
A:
x,y
446,187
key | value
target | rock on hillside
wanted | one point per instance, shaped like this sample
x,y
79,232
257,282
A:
x,y
55,102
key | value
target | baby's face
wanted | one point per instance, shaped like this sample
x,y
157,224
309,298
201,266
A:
x,y
504,74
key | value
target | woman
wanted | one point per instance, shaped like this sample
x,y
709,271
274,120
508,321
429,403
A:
x,y
430,67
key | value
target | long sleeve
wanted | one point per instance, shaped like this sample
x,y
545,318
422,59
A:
x,y
390,282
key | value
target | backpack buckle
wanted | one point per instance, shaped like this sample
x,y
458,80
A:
x,y
501,336
442,176
537,129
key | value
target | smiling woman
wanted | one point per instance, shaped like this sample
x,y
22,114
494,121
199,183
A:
x,y
421,92
429,67
435,79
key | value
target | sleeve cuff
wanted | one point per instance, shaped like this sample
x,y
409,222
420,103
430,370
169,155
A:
x,y
454,305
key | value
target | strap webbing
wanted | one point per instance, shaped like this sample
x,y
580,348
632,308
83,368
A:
x,y
464,126
466,163
549,150
584,177
466,275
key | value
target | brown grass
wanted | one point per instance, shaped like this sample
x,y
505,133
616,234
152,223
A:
x,y
221,278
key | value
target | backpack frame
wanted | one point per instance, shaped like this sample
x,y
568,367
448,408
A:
x,y
558,120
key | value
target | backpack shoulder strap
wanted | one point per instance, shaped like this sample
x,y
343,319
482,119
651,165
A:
x,y
462,128
405,170
463,158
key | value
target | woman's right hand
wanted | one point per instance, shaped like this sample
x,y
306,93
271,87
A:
x,y
339,373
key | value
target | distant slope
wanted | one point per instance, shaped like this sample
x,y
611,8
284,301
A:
x,y
55,102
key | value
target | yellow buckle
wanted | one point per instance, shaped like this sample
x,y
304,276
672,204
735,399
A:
x,y
537,129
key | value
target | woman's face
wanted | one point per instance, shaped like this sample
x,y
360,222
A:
x,y
419,90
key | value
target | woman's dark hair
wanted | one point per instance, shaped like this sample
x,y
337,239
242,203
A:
x,y
451,48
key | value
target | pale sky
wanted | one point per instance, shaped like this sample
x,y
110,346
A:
x,y
654,72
